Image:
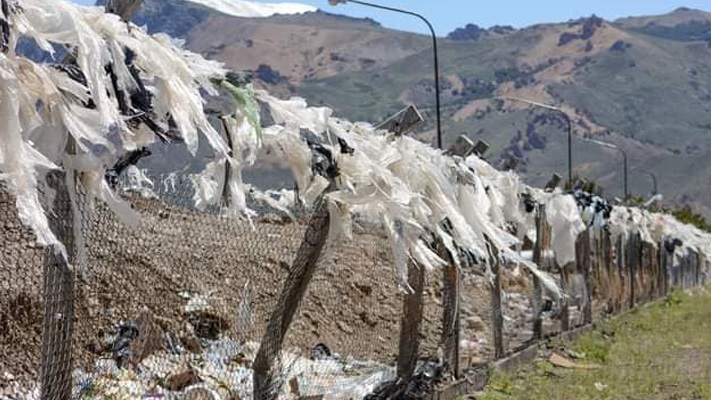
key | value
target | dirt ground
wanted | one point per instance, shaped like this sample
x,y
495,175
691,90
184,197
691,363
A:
x,y
353,305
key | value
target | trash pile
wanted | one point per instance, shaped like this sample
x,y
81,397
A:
x,y
11,389
222,371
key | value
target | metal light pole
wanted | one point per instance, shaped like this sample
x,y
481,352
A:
x,y
434,46
654,182
570,129
654,179
624,158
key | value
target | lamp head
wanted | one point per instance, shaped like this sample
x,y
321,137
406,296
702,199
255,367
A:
x,y
336,2
480,148
403,121
462,147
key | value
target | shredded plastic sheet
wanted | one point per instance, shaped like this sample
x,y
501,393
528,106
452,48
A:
x,y
42,107
566,224
283,200
399,180
20,163
422,195
407,184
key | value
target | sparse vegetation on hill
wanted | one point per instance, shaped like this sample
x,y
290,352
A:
x,y
688,216
645,78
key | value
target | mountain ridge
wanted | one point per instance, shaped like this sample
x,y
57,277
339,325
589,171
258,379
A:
x,y
639,82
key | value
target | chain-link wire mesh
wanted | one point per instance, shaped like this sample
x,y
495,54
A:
x,y
200,290
516,308
182,301
21,301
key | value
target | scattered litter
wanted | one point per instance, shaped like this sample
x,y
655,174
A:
x,y
222,371
600,386
576,355
121,347
563,362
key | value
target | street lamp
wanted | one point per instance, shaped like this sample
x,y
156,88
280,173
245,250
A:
x,y
624,158
654,179
434,46
570,129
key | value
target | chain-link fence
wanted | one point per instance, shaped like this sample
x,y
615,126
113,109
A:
x,y
187,301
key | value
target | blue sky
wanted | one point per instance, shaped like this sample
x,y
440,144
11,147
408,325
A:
x,y
446,15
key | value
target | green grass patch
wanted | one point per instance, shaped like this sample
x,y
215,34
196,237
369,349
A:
x,y
658,352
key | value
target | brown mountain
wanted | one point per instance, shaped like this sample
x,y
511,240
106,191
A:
x,y
642,83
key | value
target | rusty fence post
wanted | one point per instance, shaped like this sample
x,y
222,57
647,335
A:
x,y
609,272
451,311
631,269
538,253
621,269
564,308
410,324
267,369
697,269
683,267
585,270
666,284
661,290
497,317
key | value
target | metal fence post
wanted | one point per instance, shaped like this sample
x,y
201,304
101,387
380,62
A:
x,y
621,269
538,250
267,370
565,310
685,273
410,324
632,268
665,269
661,290
585,270
609,272
451,307
697,269
496,311
56,363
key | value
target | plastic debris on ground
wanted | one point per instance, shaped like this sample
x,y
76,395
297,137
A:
x,y
222,372
564,362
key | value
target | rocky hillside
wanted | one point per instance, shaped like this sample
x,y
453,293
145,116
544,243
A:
x,y
640,82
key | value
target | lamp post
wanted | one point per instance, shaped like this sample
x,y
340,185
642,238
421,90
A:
x,y
651,175
567,120
434,46
624,159
654,181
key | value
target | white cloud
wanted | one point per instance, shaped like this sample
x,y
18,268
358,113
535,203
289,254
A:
x,y
240,8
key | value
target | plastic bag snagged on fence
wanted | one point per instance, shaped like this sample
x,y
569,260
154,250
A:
x,y
564,218
44,104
